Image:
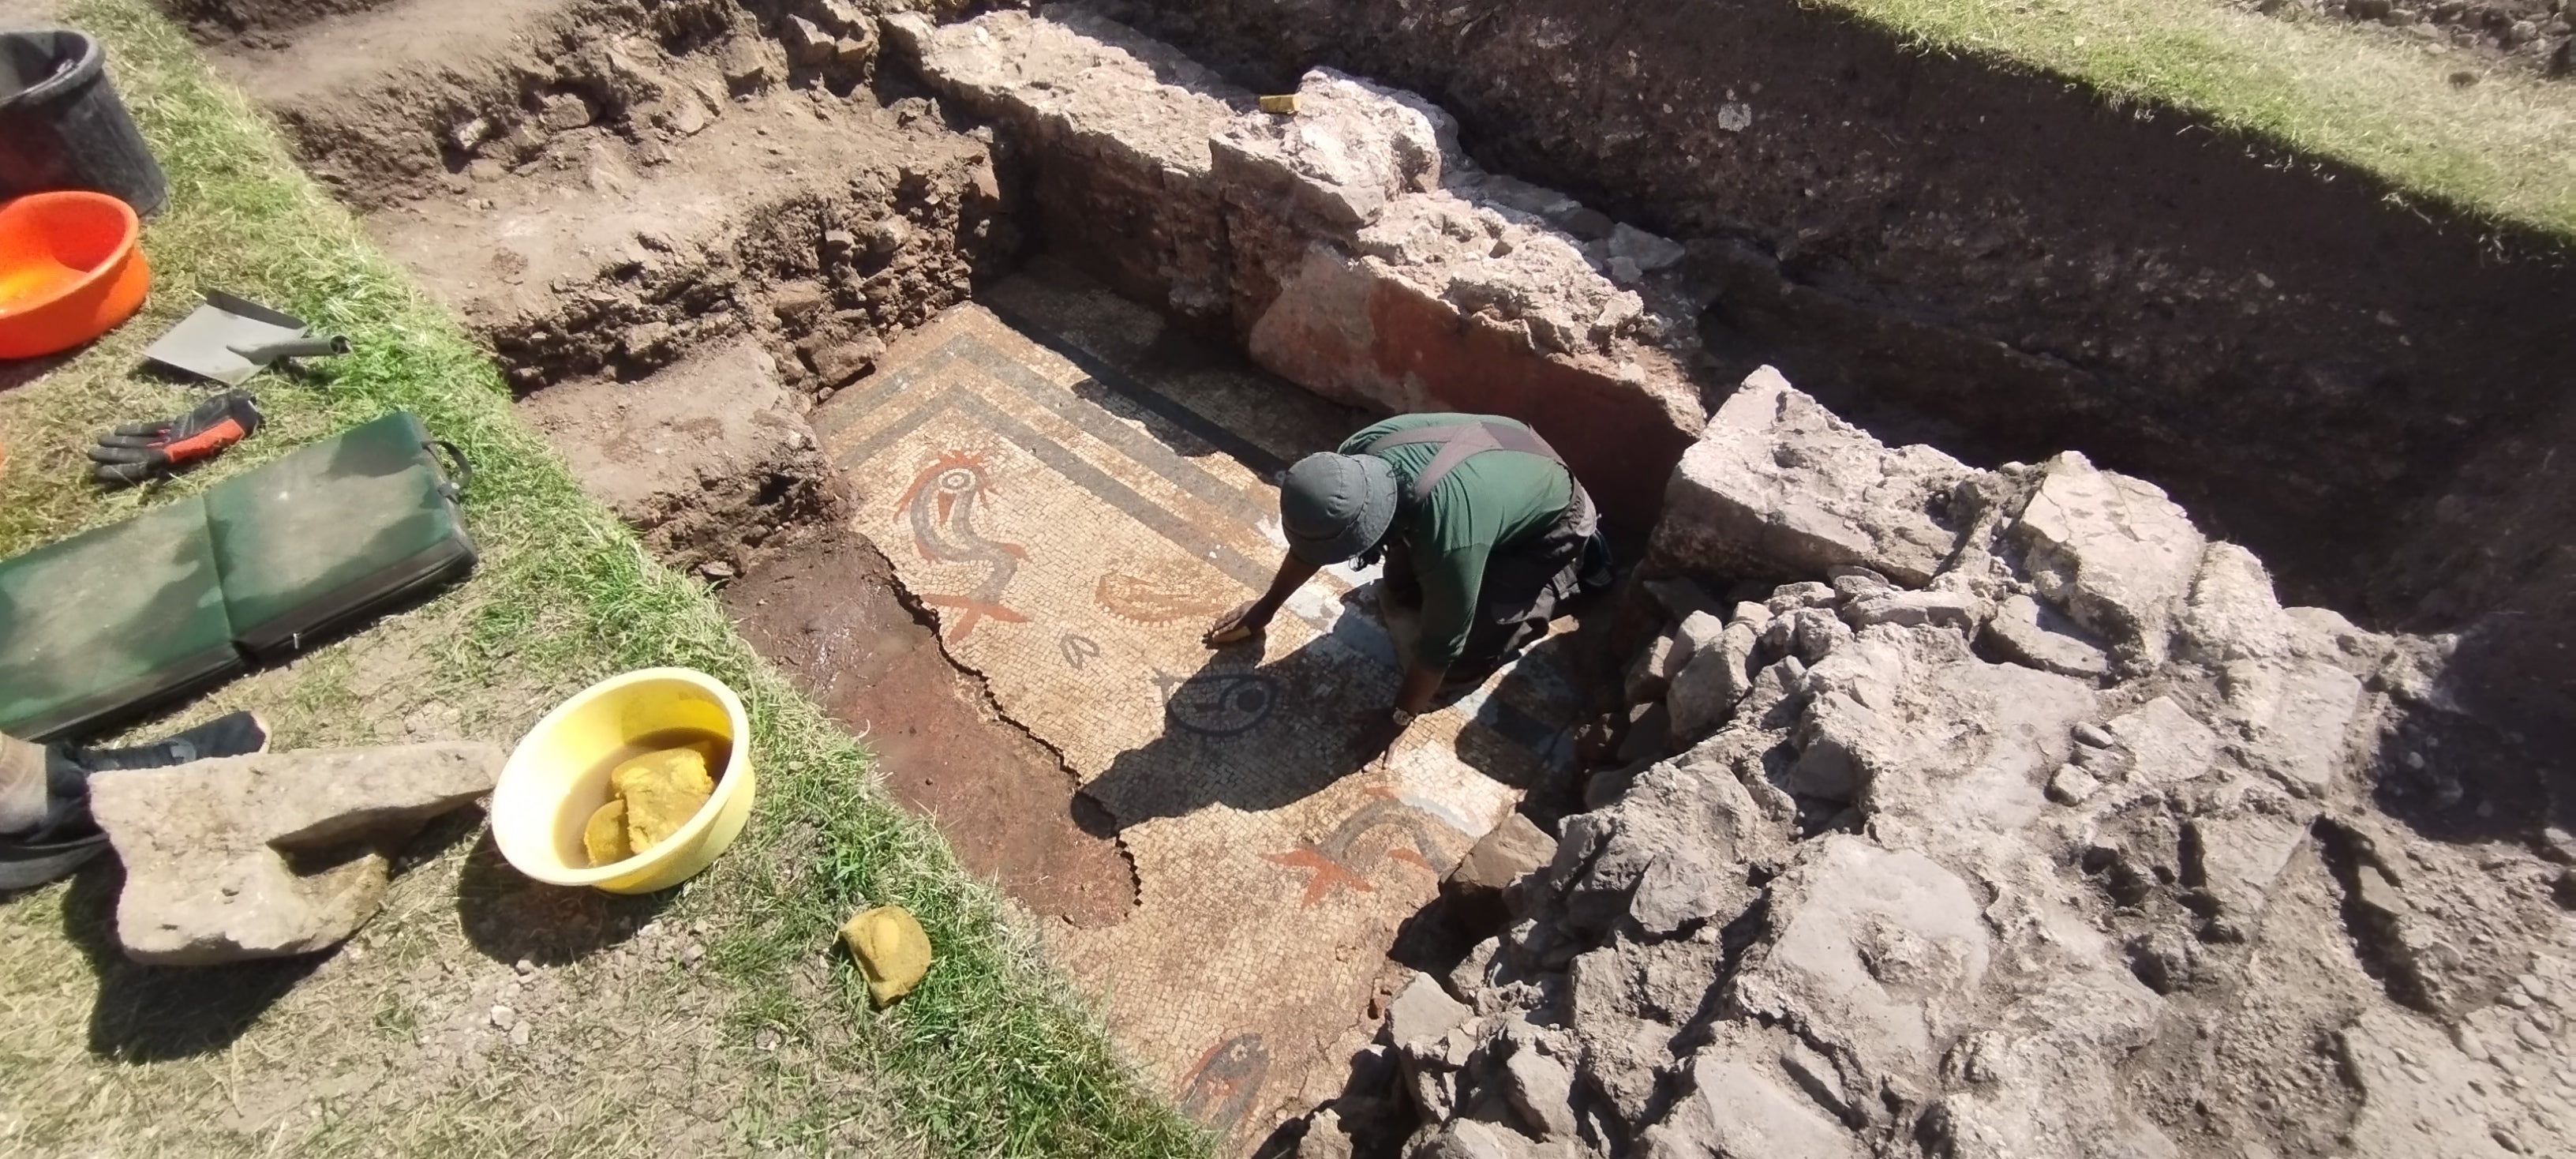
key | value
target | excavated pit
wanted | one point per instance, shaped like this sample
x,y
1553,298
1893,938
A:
x,y
841,311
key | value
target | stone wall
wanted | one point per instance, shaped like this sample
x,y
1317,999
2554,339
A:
x,y
1351,246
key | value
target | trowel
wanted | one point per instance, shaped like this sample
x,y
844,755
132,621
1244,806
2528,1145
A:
x,y
231,338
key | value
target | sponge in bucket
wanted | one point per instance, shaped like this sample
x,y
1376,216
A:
x,y
603,837
893,952
662,790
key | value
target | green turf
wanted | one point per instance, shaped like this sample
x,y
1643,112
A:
x,y
992,1055
2502,149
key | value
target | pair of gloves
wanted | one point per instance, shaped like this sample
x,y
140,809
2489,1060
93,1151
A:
x,y
141,452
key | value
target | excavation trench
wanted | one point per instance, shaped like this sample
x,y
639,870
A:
x,y
845,320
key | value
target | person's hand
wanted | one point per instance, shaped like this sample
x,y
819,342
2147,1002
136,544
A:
x,y
1237,626
1373,737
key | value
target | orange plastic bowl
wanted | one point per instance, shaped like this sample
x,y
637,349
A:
x,y
70,270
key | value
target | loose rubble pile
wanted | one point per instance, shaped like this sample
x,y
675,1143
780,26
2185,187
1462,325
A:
x,y
2022,821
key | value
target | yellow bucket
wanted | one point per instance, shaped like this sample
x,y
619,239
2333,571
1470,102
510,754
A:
x,y
559,774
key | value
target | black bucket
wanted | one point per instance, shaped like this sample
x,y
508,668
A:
x,y
61,126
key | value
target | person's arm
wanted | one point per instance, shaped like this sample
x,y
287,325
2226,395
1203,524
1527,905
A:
x,y
1253,618
1421,683
1379,727
1452,582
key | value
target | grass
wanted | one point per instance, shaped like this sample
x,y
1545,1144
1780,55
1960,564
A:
x,y
2502,150
993,1055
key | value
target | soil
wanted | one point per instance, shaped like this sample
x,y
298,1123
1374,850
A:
x,y
599,187
827,612
708,459
256,19
2532,34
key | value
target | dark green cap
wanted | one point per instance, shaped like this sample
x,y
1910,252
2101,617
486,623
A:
x,y
1334,507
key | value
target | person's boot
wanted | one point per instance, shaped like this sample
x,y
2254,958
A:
x,y
65,836
237,734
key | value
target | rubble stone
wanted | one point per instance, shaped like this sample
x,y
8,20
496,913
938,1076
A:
x,y
564,112
1541,1091
1421,1013
807,43
1736,1112
1514,848
2113,553
1852,584
2235,860
1810,634
1471,1139
275,854
1650,675
1869,952
2072,786
1788,598
1939,609
2166,745
2233,614
1325,1137
2420,1095
2046,1079
1715,677
1680,890
2026,632
2292,716
1690,807
1930,736
1622,1061
1778,487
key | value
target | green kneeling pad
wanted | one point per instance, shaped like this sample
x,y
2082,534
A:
x,y
105,625
110,621
314,541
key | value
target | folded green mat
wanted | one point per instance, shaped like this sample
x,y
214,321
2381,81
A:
x,y
311,542
113,622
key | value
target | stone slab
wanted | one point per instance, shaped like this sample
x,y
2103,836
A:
x,y
275,854
1777,487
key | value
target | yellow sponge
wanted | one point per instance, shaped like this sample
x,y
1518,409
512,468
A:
x,y
662,790
604,835
893,953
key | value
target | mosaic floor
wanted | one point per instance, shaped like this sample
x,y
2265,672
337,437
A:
x,y
1075,503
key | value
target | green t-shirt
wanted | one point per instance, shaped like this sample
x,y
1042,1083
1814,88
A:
x,y
1490,501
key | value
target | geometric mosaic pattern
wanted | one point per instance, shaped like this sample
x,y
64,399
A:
x,y
1074,530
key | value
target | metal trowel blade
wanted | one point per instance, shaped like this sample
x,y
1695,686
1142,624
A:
x,y
202,343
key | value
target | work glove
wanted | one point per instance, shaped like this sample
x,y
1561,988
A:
x,y
139,452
